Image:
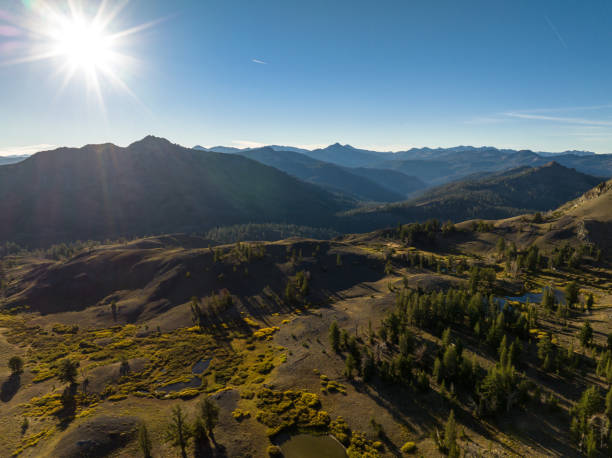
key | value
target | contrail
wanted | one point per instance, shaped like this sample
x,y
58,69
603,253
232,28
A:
x,y
554,29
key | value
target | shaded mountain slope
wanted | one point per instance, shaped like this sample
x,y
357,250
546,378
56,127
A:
x,y
152,186
494,196
362,183
593,164
450,165
395,180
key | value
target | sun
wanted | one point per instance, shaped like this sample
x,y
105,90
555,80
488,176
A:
x,y
79,37
84,45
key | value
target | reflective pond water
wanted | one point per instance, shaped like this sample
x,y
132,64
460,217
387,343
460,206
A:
x,y
534,298
201,366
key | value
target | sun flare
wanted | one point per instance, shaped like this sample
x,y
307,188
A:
x,y
84,45
79,38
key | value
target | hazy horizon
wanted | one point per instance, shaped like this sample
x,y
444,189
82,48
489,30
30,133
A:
x,y
33,149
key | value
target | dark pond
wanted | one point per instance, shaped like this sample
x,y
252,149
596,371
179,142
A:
x,y
201,366
193,383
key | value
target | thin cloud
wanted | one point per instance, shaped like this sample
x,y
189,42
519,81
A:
x,y
254,144
563,109
580,121
248,144
311,146
555,31
257,61
25,150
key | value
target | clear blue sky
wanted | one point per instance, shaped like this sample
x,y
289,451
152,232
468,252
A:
x,y
377,74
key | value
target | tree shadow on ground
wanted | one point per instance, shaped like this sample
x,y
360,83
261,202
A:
x,y
10,387
69,406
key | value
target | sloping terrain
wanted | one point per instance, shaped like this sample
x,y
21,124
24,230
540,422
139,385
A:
x,y
497,195
162,322
150,276
592,215
262,344
152,186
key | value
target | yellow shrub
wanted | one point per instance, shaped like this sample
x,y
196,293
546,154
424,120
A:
x,y
187,393
124,343
250,321
408,447
240,415
265,332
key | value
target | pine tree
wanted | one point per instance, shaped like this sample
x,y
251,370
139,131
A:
x,y
350,366
586,334
438,373
114,310
208,411
178,433
501,245
144,441
334,336
369,367
450,436
548,298
503,351
15,364
591,444
571,293
67,371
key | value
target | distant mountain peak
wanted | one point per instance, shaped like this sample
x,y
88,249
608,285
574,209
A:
x,y
151,141
340,145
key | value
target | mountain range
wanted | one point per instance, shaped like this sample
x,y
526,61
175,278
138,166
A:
x,y
150,187
436,166
361,183
154,187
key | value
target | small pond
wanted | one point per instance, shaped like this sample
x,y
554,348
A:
x,y
534,298
195,382
201,366
310,446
